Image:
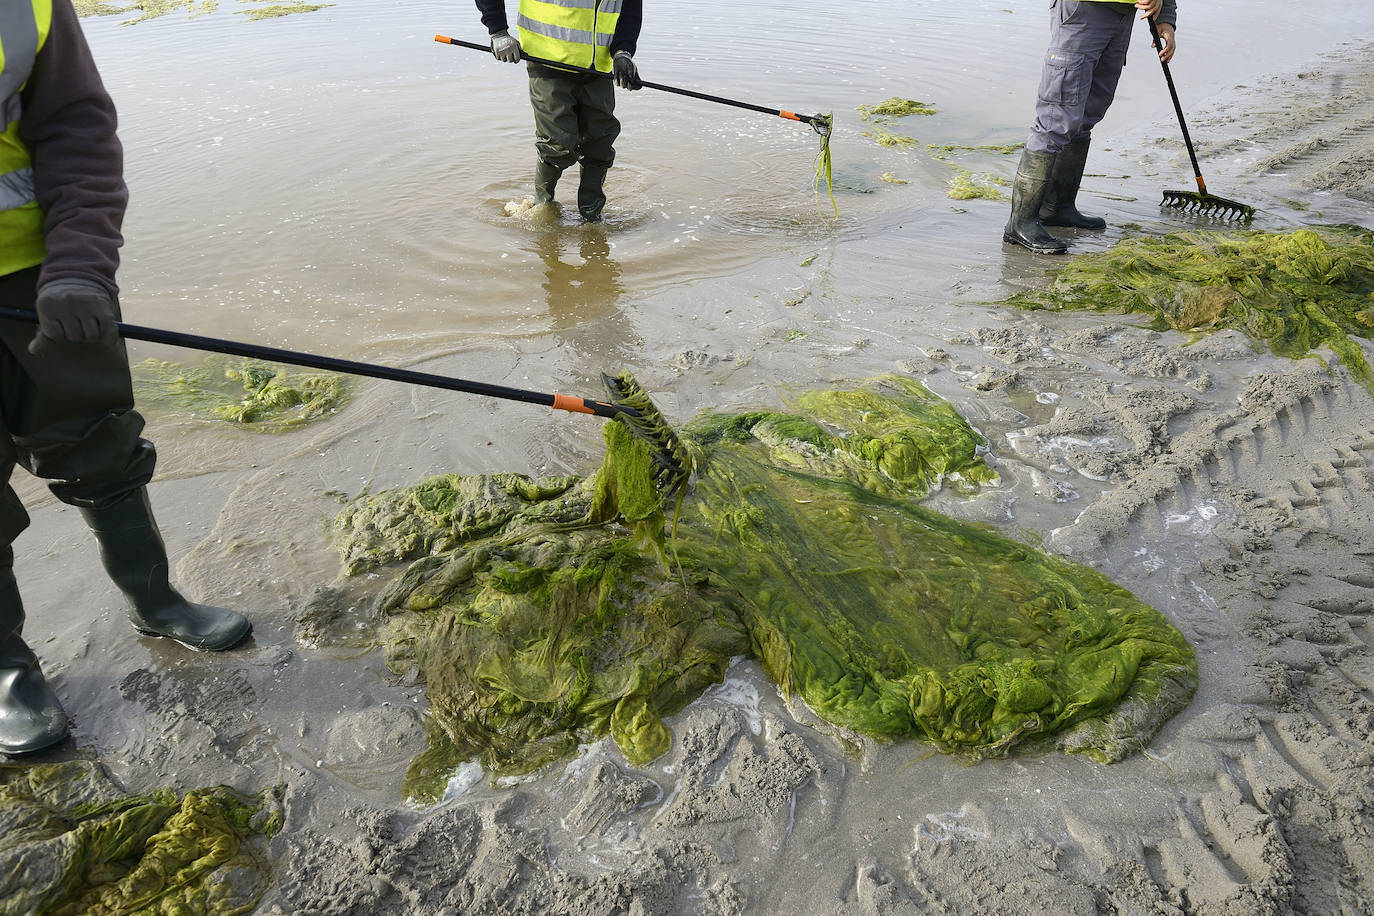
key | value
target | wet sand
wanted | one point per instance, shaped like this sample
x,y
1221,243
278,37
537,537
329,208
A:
x,y
1231,489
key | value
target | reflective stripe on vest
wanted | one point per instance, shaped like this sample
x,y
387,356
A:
x,y
576,32
23,32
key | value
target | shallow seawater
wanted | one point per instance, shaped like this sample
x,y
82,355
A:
x,y
336,178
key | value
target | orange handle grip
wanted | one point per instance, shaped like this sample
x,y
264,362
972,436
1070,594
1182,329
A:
x,y
570,403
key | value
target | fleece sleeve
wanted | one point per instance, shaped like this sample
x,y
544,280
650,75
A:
x,y
493,15
68,123
627,27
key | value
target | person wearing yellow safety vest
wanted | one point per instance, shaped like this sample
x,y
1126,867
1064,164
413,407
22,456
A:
x,y
1088,41
66,400
574,113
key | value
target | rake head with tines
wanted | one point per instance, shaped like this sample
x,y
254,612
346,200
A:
x,y
1204,204
672,462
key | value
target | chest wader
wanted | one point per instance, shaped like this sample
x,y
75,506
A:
x,y
31,718
574,122
574,113
67,416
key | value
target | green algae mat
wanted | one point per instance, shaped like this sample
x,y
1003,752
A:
x,y
1291,292
545,613
264,397
72,843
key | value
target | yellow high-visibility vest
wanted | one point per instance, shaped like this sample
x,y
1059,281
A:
x,y
23,31
576,32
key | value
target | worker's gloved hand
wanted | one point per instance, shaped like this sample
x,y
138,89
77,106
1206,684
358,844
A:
x,y
73,311
625,71
505,48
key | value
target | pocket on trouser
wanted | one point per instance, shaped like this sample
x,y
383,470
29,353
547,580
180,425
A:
x,y
1066,78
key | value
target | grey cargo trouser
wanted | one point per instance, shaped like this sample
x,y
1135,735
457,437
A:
x,y
574,118
67,416
1088,41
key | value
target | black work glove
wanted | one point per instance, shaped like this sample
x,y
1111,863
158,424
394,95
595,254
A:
x,y
73,311
625,71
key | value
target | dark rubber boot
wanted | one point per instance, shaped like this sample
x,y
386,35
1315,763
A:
x,y
545,181
31,718
1027,194
133,553
590,196
1059,208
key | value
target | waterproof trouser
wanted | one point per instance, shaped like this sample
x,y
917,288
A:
x,y
1088,42
575,122
66,416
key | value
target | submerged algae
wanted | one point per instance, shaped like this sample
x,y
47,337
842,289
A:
x,y
1294,291
801,544
965,185
261,396
71,842
895,107
152,9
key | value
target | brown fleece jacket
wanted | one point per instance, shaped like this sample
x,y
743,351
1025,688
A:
x,y
68,123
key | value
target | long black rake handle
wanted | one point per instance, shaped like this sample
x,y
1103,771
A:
x,y
821,124
348,366
1178,109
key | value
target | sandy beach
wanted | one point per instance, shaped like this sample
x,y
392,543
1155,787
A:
x,y
1229,488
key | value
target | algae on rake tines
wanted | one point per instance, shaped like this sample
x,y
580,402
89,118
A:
x,y
539,617
1293,291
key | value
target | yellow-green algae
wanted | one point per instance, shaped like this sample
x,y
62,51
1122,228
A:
x,y
72,843
894,107
145,9
152,9
260,396
825,167
965,185
884,138
539,620
1294,291
278,10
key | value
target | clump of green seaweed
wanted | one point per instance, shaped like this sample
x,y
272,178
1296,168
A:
x,y
72,843
891,140
1294,291
895,107
542,614
257,395
152,9
277,10
966,185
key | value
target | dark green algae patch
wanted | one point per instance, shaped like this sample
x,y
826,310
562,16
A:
x,y
542,614
1292,292
72,843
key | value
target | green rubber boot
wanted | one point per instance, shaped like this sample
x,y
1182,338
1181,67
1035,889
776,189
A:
x,y
1059,207
545,181
1028,191
31,718
133,553
591,197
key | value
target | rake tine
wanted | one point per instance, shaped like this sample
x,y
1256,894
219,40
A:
x,y
672,462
